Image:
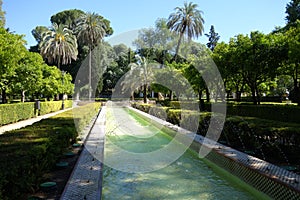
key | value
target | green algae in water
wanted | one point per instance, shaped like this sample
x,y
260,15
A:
x,y
187,178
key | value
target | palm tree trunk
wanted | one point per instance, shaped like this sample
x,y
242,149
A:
x,y
145,93
178,45
90,73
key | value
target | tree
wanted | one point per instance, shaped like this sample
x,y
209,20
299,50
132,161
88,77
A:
x,y
59,45
29,75
2,16
140,72
52,83
213,38
186,20
12,50
91,30
292,64
116,69
37,33
293,11
67,17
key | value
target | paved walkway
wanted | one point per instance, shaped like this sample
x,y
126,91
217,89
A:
x,y
27,122
85,181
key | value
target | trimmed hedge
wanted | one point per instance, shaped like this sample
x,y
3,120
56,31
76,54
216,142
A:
x,y
52,106
281,113
29,153
11,113
274,141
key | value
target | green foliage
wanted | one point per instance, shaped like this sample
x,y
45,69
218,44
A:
x,y
251,131
11,113
67,17
12,50
59,45
292,11
186,21
282,113
2,17
52,106
213,38
32,151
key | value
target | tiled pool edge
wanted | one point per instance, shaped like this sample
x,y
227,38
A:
x,y
85,181
272,180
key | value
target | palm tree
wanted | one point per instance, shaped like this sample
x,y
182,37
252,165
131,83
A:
x,y
59,46
187,21
142,69
90,31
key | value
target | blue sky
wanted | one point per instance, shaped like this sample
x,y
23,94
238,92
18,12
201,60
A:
x,y
230,17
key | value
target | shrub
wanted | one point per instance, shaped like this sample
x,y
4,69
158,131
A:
x,y
282,113
268,139
28,153
11,113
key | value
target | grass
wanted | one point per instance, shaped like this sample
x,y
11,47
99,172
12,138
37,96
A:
x,y
31,152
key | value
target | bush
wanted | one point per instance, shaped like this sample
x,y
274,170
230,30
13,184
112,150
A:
x,y
11,113
28,153
281,113
267,139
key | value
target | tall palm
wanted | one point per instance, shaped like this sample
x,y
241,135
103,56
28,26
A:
x,y
186,20
59,45
90,31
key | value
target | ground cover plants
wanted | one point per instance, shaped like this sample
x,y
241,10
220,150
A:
x,y
29,153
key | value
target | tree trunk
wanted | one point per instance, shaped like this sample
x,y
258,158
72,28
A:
x,y
171,95
257,95
207,95
296,87
145,93
201,102
23,96
90,73
177,48
4,96
253,95
132,95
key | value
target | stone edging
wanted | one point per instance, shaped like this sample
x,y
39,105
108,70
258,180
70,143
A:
x,y
270,179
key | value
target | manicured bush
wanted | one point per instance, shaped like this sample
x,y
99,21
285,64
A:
x,y
268,139
28,153
11,113
281,113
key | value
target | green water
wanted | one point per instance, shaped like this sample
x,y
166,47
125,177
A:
x,y
187,178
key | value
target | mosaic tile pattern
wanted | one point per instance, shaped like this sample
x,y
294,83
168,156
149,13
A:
x,y
276,182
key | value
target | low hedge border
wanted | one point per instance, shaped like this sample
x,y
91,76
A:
x,y
270,140
27,154
281,113
11,113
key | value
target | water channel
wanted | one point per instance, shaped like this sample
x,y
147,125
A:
x,y
188,177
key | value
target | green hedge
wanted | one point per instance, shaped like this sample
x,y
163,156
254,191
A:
x,y
281,113
11,113
52,106
29,153
268,139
